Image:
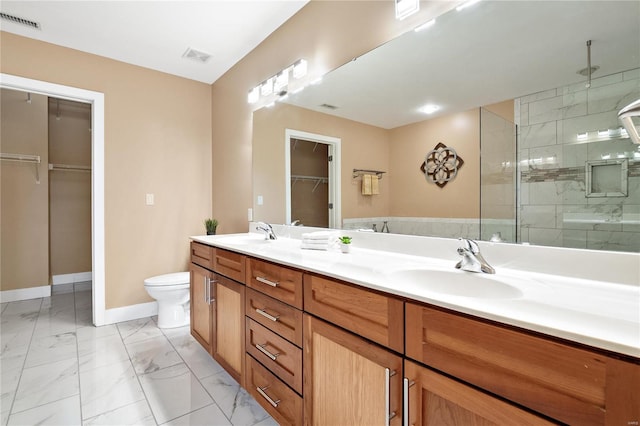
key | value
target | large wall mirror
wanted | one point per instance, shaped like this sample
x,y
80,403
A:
x,y
546,160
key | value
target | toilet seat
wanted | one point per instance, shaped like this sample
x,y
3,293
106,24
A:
x,y
168,280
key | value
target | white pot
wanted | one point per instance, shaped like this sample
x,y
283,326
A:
x,y
345,247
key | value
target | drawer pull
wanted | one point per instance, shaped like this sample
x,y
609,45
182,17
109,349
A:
x,y
262,392
267,282
387,393
266,352
267,315
405,399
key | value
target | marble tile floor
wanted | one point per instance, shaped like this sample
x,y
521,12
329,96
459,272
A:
x,y
58,369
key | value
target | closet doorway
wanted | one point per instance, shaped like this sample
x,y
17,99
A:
x,y
96,100
312,179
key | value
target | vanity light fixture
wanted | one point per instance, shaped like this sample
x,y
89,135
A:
x,y
405,8
603,133
466,4
281,81
266,88
254,95
429,109
299,69
289,80
425,25
583,136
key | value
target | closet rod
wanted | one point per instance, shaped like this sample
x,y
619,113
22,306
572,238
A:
x,y
66,167
23,158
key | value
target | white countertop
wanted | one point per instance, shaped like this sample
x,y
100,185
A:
x,y
600,314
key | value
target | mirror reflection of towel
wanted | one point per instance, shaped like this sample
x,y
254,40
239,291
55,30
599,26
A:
x,y
375,189
366,184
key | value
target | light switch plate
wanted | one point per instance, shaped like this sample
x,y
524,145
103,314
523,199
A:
x,y
149,199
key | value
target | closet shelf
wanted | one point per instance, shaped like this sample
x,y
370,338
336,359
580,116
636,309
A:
x,y
23,158
317,179
69,168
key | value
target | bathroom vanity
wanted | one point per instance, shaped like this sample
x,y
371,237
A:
x,y
324,338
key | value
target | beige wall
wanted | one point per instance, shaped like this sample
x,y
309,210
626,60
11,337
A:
x,y
411,194
69,191
325,33
157,140
24,210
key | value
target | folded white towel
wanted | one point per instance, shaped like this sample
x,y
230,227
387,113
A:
x,y
319,235
314,246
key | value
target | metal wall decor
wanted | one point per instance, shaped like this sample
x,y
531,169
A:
x,y
441,165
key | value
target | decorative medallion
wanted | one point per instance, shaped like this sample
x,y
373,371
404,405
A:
x,y
441,165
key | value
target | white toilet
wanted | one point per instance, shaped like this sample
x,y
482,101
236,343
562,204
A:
x,y
172,293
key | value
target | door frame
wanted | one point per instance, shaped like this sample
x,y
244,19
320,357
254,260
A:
x,y
335,194
96,99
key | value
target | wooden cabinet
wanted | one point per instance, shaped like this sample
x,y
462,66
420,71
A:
x,y
373,315
563,382
282,403
432,399
279,317
274,339
200,300
217,305
228,325
281,283
348,380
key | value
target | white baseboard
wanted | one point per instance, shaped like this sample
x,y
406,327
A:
x,y
25,293
127,313
77,277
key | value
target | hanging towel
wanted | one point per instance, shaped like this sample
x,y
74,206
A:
x,y
366,184
375,189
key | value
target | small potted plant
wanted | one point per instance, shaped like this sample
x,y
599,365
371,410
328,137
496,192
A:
x,y
345,244
211,225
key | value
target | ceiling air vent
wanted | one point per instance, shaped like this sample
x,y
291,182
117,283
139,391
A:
x,y
328,106
196,55
21,21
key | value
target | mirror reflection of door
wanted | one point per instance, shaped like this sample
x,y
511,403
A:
x,y
310,202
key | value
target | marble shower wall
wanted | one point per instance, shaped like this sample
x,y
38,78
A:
x,y
554,209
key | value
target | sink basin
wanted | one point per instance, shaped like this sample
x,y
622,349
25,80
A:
x,y
457,283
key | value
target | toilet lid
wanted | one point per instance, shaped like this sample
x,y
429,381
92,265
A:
x,y
168,279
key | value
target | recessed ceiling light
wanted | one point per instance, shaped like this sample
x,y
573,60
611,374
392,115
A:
x,y
429,108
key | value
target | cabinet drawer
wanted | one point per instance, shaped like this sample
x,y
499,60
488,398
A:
x,y
560,381
229,264
279,282
283,319
369,314
277,354
282,403
202,254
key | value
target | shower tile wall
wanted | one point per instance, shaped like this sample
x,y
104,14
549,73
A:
x,y
554,208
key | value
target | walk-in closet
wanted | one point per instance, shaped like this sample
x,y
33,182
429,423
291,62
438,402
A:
x,y
45,197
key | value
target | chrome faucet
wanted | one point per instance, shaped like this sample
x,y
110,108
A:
x,y
472,259
269,234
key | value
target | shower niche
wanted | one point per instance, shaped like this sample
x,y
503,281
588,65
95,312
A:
x,y
607,178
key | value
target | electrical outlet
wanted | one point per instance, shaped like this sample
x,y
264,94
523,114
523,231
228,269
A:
x,y
149,198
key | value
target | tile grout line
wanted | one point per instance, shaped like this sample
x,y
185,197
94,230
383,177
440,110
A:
x,y
197,378
137,377
24,361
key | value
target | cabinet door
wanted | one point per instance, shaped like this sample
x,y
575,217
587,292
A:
x,y
200,292
347,380
434,399
228,325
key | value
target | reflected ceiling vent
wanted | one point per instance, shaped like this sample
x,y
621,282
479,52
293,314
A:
x,y
21,21
196,55
328,106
